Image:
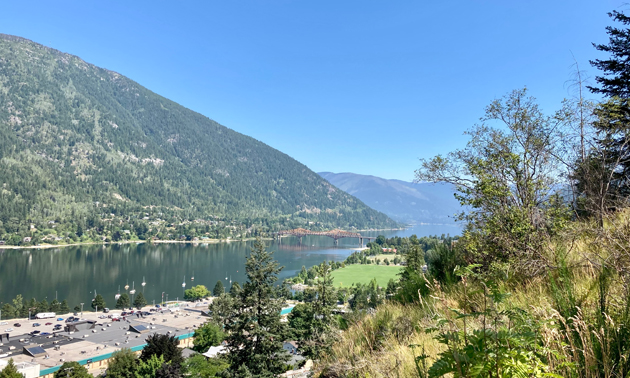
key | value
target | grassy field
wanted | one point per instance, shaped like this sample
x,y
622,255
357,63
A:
x,y
363,274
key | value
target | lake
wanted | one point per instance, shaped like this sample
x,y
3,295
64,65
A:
x,y
75,273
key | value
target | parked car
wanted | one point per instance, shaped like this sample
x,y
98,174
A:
x,y
124,313
59,319
57,327
8,330
36,324
45,334
115,319
35,332
48,323
106,310
4,323
17,325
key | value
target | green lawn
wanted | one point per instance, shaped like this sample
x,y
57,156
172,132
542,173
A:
x,y
363,274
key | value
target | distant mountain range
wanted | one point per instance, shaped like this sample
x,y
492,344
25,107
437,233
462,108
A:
x,y
403,201
81,144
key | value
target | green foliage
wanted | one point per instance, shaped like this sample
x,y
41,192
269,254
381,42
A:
x,y
123,364
222,309
123,302
72,369
235,289
99,302
508,343
198,366
206,336
164,346
218,289
149,368
196,293
10,371
140,301
91,150
507,177
256,332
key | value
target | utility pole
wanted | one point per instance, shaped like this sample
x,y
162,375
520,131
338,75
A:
x,y
81,310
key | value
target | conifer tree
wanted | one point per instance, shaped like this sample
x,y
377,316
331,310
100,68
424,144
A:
x,y
64,309
10,371
140,301
256,334
123,301
99,302
218,289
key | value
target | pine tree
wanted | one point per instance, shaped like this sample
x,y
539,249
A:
x,y
165,346
123,301
64,307
72,370
616,79
55,306
10,371
235,289
256,334
98,302
218,289
140,301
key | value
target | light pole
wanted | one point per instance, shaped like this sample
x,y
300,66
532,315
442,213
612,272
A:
x,y
162,298
81,310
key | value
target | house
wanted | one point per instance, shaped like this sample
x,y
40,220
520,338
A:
x,y
214,351
2,242
389,250
290,346
27,239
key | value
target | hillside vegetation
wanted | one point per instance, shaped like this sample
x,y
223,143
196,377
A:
x,y
84,150
539,283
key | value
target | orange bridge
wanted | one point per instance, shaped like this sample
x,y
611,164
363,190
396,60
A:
x,y
335,234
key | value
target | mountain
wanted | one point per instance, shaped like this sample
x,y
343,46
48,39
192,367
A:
x,y
81,144
401,200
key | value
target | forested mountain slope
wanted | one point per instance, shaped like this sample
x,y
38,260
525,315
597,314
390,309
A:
x,y
401,200
79,144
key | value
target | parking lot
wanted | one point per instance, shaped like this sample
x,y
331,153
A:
x,y
106,337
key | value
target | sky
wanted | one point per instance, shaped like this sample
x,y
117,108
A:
x,y
368,87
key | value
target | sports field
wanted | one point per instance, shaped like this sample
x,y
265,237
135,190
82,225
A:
x,y
358,273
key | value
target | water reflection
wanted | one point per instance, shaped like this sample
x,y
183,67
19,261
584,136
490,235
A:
x,y
75,272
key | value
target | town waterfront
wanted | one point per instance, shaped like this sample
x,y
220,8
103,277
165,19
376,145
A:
x,y
76,272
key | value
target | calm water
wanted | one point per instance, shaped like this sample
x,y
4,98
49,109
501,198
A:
x,y
74,273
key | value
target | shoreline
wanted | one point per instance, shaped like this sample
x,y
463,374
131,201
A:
x,y
49,246
208,241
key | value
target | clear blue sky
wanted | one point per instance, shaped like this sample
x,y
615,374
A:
x,y
344,86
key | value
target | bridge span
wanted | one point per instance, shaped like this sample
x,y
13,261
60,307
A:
x,y
335,234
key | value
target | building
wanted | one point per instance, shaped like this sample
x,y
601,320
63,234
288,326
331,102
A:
x,y
28,369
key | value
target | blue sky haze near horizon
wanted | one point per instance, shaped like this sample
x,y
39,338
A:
x,y
355,86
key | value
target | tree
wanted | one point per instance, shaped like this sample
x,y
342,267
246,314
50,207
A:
x,y
196,292
55,306
165,346
616,78
222,309
603,177
64,309
123,364
98,302
198,366
256,334
507,177
140,301
148,369
235,289
72,369
168,371
218,289
123,301
206,336
77,308
10,371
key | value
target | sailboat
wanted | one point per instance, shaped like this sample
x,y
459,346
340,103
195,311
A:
x,y
193,276
226,276
117,295
133,290
184,283
143,282
230,279
127,286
